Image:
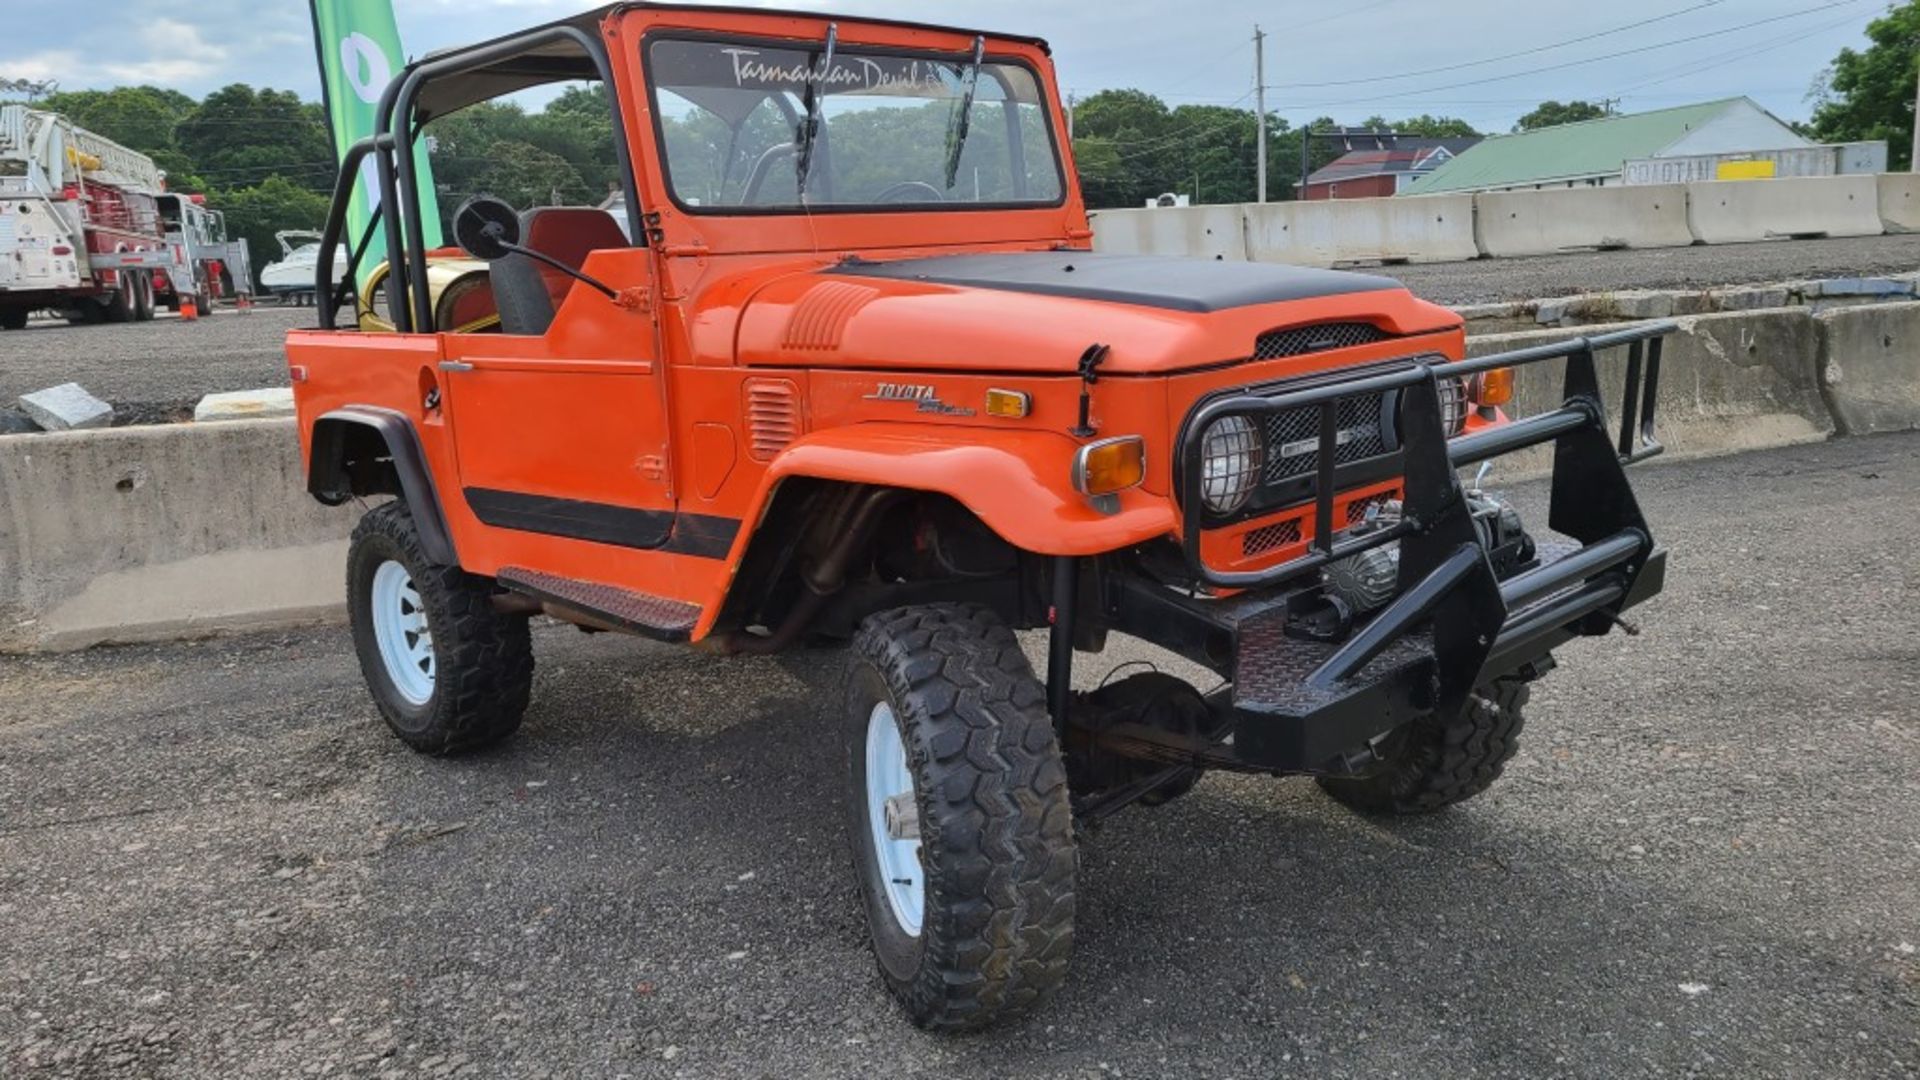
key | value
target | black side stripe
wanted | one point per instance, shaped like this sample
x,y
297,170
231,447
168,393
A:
x,y
698,535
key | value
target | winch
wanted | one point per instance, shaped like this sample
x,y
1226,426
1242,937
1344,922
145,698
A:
x,y
1368,581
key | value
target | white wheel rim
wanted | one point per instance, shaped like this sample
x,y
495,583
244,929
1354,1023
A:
x,y
401,631
888,777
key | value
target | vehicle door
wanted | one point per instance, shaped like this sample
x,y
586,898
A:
x,y
561,435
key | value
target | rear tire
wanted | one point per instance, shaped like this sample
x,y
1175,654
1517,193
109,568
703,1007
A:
x,y
1433,765
120,306
947,725
143,297
449,673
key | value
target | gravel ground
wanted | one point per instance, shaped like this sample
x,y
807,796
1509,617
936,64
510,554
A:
x,y
215,862
154,372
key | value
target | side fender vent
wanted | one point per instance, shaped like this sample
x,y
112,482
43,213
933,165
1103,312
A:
x,y
773,417
820,319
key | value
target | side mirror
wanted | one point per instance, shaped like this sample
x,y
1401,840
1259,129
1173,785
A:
x,y
486,228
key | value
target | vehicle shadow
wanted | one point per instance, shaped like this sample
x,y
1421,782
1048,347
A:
x,y
670,866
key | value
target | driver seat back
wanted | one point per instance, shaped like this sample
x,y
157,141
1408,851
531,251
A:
x,y
526,291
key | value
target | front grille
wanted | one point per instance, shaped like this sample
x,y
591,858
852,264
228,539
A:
x,y
1293,437
1270,538
1323,337
1367,445
1357,509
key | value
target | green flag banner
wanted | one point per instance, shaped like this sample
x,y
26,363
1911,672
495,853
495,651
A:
x,y
359,43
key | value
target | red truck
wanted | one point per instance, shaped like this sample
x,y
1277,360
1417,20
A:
x,y
88,229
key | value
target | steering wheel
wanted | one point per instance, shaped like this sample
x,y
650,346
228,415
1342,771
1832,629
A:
x,y
898,192
763,168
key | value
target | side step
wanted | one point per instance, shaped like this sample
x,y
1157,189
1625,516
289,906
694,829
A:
x,y
656,617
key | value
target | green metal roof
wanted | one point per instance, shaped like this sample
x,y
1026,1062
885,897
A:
x,y
1569,151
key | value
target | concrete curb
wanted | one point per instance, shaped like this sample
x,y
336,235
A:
x,y
144,533
1870,367
1729,382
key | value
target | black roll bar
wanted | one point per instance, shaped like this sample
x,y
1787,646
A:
x,y
406,89
408,300
325,281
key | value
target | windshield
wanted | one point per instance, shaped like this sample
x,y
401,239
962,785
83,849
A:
x,y
732,116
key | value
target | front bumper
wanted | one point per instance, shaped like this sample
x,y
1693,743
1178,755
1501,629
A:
x,y
1304,699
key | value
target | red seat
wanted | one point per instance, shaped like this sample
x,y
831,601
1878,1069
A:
x,y
527,291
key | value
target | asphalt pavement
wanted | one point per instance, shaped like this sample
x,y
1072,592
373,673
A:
x,y
155,372
216,862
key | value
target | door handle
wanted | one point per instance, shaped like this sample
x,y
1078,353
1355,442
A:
x,y
455,366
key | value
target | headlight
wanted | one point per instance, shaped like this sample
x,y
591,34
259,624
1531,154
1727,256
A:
x,y
1231,457
1453,405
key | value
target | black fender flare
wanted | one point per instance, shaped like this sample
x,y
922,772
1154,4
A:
x,y
337,434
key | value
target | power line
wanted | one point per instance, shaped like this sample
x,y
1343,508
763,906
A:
x,y
1166,140
1405,94
1505,56
1362,10
1681,71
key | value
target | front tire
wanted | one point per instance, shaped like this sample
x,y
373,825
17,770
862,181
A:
x,y
961,827
1431,765
449,673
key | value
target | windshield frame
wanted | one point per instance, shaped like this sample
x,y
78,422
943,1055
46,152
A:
x,y
963,57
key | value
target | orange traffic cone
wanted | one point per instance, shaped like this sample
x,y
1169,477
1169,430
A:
x,y
189,307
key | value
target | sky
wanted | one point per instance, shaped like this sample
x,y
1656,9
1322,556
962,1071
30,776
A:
x,y
1349,59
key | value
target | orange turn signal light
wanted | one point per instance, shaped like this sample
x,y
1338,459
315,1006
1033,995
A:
x,y
1110,466
1493,387
1009,404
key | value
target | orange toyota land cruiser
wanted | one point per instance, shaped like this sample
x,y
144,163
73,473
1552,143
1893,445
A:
x,y
848,369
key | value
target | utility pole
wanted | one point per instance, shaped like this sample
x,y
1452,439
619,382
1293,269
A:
x,y
1072,100
1260,108
1913,156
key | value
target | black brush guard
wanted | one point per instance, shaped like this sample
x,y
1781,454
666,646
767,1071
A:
x,y
1298,704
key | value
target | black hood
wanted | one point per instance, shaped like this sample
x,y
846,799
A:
x,y
1196,285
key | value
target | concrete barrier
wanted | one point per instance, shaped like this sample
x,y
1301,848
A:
x,y
1870,367
1513,223
1196,232
147,533
1900,202
144,533
1743,211
1332,232
1732,382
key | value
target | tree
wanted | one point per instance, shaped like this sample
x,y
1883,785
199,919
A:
x,y
240,136
255,213
139,117
1553,114
527,176
498,148
1869,95
1425,126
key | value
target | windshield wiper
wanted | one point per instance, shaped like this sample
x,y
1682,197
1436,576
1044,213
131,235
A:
x,y
957,129
810,126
